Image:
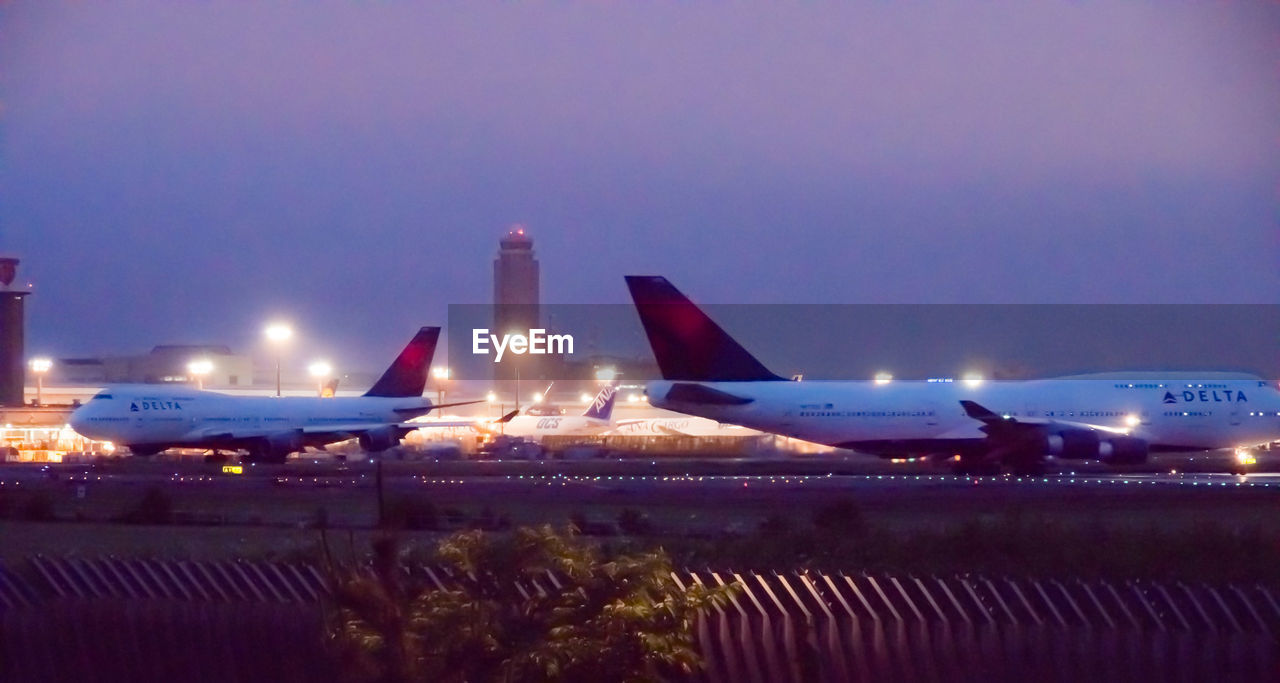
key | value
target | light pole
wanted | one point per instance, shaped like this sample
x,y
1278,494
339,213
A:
x,y
200,368
320,371
39,366
441,375
278,334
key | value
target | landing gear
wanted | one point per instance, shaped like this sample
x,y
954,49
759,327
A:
x,y
1017,465
1243,461
1027,469
264,453
976,467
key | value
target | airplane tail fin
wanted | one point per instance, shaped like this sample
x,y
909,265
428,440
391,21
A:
x,y
688,345
407,376
602,407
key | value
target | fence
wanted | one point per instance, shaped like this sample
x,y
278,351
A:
x,y
799,626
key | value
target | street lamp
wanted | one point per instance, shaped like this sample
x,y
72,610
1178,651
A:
x,y
441,375
200,368
39,366
278,334
606,374
320,370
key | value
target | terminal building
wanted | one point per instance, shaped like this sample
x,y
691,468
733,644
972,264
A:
x,y
164,364
12,335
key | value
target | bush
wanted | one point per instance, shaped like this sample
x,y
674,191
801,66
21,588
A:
x,y
607,618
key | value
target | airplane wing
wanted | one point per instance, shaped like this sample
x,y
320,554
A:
x,y
437,406
670,431
994,423
441,424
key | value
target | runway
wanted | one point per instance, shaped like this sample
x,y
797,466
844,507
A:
x,y
364,474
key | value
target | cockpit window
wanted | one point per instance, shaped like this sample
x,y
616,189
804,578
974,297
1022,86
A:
x,y
98,396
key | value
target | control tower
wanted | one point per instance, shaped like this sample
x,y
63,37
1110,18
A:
x,y
515,299
515,283
12,333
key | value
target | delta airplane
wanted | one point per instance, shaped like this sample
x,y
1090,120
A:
x,y
149,418
1113,418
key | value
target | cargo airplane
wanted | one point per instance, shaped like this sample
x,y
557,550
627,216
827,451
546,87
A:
x,y
150,418
984,426
597,419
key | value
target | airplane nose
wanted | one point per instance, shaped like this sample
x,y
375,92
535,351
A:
x,y
78,421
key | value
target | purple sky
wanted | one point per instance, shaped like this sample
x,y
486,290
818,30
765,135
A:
x,y
181,171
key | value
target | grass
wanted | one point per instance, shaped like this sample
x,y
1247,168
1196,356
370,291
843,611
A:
x,y
1196,533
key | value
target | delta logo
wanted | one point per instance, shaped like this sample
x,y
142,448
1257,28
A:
x,y
1206,396
138,406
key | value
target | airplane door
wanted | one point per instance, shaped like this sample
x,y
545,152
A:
x,y
931,413
135,417
1235,414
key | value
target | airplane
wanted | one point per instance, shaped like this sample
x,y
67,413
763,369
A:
x,y
686,425
982,426
595,420
148,419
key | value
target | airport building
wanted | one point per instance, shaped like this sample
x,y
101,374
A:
x,y
12,334
164,364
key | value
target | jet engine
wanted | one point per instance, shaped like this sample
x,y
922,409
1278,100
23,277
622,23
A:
x,y
1083,444
1124,450
380,439
285,442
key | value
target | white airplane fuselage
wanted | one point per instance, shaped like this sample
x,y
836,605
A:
x,y
535,427
181,416
902,416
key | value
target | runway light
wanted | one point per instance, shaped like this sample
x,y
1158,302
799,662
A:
x,y
1245,457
